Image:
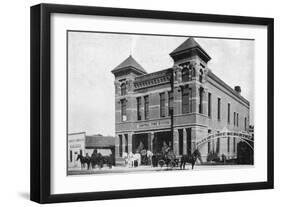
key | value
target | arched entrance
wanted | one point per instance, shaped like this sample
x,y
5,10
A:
x,y
244,137
242,150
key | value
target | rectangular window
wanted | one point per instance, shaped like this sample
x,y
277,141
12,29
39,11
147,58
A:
x,y
219,109
139,108
237,120
228,113
234,118
146,107
162,104
170,103
123,110
228,144
185,100
201,100
209,104
245,123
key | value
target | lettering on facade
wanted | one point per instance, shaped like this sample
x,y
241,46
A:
x,y
154,124
75,146
76,140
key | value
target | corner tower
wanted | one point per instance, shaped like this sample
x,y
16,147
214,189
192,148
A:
x,y
190,93
125,103
190,73
125,74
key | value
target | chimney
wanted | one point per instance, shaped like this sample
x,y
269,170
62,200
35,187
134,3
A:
x,y
237,89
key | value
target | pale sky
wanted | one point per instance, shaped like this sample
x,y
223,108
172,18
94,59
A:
x,y
93,55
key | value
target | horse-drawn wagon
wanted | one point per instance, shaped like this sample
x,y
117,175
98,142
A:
x,y
162,159
96,159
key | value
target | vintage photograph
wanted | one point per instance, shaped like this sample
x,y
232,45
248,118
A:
x,y
156,103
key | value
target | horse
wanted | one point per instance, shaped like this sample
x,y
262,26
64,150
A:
x,y
149,155
94,159
190,158
132,158
109,160
146,157
84,160
100,160
125,156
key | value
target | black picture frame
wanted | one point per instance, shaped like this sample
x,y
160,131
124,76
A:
x,y
41,102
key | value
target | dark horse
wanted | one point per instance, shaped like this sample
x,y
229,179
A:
x,y
190,158
98,159
94,158
84,160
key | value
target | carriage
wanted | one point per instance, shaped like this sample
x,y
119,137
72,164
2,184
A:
x,y
95,160
165,158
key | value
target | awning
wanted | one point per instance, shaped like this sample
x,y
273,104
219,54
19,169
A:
x,y
99,142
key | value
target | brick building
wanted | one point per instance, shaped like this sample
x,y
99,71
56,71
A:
x,y
177,106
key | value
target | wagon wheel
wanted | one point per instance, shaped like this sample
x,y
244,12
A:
x,y
161,163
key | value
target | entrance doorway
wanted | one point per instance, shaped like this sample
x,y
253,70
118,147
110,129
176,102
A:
x,y
181,141
139,142
161,138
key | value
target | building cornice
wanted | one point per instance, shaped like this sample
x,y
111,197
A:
x,y
153,79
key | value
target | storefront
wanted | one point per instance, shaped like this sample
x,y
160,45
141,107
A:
x,y
76,146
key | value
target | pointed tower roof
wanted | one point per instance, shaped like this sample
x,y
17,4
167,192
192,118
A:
x,y
190,45
130,63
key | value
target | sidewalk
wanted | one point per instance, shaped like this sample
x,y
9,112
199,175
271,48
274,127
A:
x,y
142,168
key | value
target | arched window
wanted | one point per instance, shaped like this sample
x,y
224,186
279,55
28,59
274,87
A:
x,y
185,74
123,89
193,72
123,110
175,76
201,76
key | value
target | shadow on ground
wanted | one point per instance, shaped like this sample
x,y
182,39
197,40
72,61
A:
x,y
24,195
